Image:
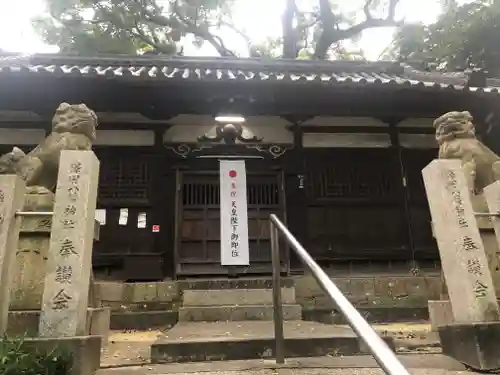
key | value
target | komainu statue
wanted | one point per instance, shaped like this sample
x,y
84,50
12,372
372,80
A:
x,y
73,128
456,137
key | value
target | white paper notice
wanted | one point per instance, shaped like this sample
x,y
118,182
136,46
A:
x,y
123,219
233,213
100,216
141,220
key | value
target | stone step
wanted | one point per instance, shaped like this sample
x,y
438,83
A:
x,y
238,283
197,342
236,313
240,297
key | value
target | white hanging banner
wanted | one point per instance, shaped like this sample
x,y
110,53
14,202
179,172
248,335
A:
x,y
233,214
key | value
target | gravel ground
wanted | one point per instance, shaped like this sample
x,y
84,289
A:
x,y
128,354
439,364
309,371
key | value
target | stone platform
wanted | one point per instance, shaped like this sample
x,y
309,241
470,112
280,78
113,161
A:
x,y
212,341
381,298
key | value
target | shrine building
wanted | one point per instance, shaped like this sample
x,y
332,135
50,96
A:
x,y
335,149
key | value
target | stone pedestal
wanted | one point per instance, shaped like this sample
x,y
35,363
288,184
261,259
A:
x,y
25,323
475,344
440,314
84,350
98,322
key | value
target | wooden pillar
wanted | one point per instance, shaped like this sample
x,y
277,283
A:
x,y
160,203
296,194
404,196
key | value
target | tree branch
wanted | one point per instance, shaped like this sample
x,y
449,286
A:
x,y
310,24
330,34
192,28
140,34
181,22
239,32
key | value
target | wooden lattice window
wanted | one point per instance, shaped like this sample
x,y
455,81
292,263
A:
x,y
351,174
260,192
125,180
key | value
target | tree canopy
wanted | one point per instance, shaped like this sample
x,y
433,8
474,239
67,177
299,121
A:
x,y
315,30
464,37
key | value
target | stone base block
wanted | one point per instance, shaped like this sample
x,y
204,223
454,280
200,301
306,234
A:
x,y
85,351
25,323
99,322
235,313
474,344
440,314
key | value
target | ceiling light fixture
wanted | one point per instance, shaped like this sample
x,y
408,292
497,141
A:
x,y
232,119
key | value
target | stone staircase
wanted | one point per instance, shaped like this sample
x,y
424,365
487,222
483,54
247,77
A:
x,y
236,305
233,320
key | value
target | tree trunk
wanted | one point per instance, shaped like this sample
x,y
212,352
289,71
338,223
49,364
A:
x,y
289,33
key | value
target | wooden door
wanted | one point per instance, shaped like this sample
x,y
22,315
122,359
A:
x,y
198,222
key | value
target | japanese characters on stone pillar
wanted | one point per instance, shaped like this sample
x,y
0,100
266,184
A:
x,y
65,297
29,275
12,190
463,258
492,196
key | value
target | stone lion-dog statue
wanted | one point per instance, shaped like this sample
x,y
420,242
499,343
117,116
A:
x,y
456,137
73,128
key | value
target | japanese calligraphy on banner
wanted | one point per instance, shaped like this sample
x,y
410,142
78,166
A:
x,y
233,213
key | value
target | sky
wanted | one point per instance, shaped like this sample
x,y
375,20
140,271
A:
x,y
17,35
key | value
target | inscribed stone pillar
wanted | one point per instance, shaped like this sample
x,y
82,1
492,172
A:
x,y
32,251
492,196
12,190
488,237
65,297
463,259
490,244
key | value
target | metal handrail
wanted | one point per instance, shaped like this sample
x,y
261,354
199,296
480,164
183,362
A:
x,y
384,356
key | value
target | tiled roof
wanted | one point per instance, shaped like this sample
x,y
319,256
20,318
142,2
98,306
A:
x,y
234,69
